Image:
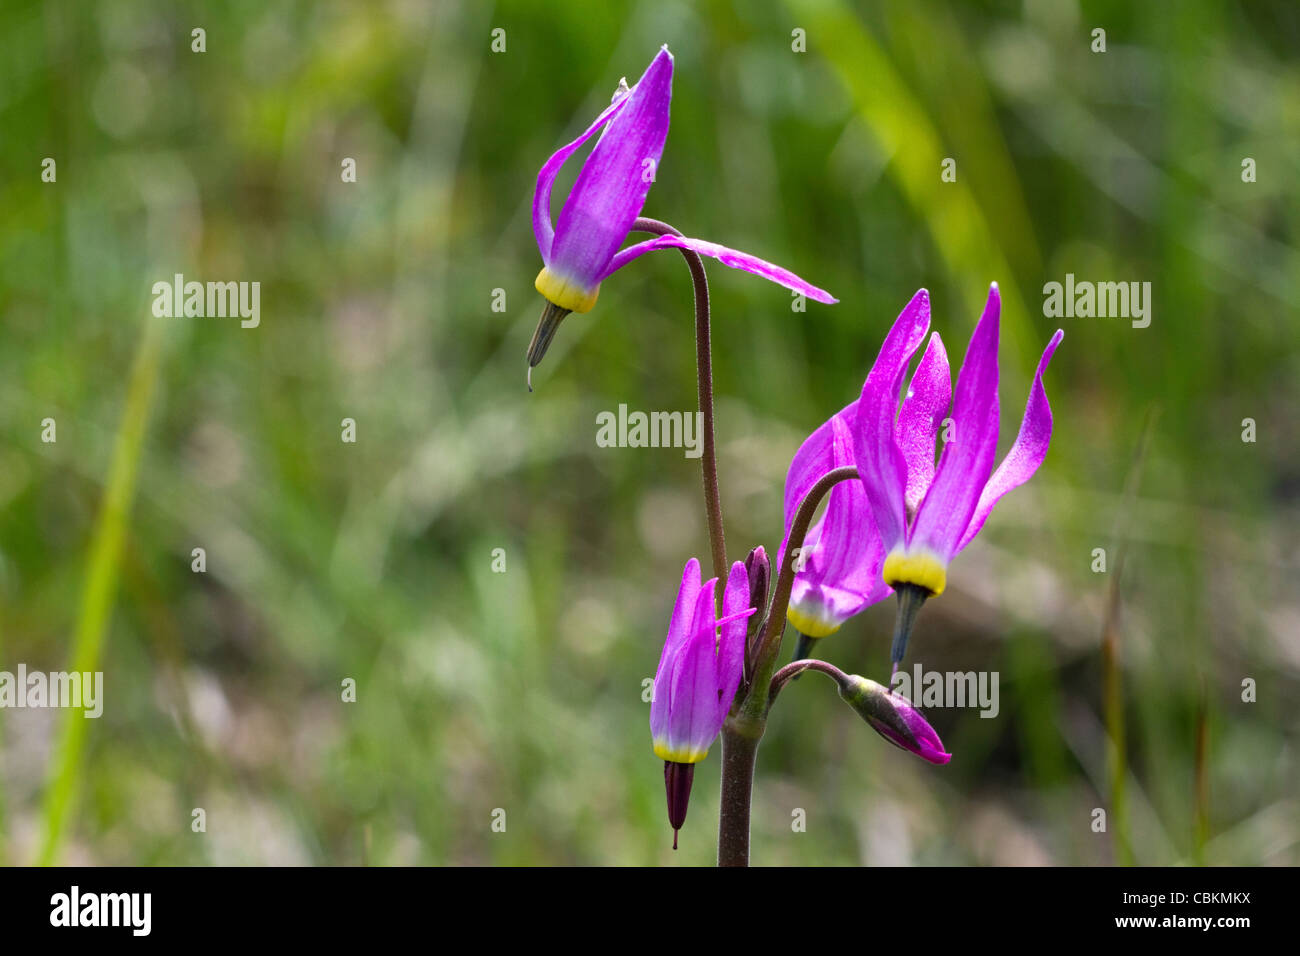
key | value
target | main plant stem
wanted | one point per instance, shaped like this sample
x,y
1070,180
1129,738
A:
x,y
739,746
739,751
744,728
704,375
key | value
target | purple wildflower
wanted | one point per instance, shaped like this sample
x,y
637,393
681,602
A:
x,y
698,674
926,515
583,247
900,525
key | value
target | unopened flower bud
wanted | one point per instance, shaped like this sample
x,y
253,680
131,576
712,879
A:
x,y
894,718
759,569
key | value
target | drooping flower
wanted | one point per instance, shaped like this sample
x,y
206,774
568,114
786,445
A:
x,y
837,569
894,718
696,681
583,247
900,524
923,514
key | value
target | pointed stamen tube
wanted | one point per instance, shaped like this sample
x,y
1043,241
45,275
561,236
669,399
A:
x,y
910,599
677,782
552,315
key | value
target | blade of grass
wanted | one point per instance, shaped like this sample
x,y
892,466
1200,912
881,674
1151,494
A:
x,y
96,603
899,119
1112,675
1201,836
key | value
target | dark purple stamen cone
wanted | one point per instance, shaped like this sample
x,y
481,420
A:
x,y
910,599
552,315
677,781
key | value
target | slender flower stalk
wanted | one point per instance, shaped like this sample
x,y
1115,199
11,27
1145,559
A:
x,y
837,569
704,386
582,248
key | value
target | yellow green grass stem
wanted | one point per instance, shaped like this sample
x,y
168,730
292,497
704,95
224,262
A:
x,y
96,603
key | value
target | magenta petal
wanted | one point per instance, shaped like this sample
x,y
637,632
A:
x,y
612,187
728,257
1028,451
967,459
881,464
678,633
814,599
929,396
848,554
683,609
693,705
546,179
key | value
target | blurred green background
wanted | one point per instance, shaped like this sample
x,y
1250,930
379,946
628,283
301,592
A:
x,y
522,690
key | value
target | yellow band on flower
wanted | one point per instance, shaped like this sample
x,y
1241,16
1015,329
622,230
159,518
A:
x,y
921,569
679,754
566,293
808,625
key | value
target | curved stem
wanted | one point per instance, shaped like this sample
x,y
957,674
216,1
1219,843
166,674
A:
x,y
769,643
795,668
704,376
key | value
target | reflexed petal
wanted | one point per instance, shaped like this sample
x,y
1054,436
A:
x,y
542,228
929,396
815,457
966,461
842,553
728,257
683,609
1026,454
818,609
693,704
612,187
881,464
678,632
848,553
